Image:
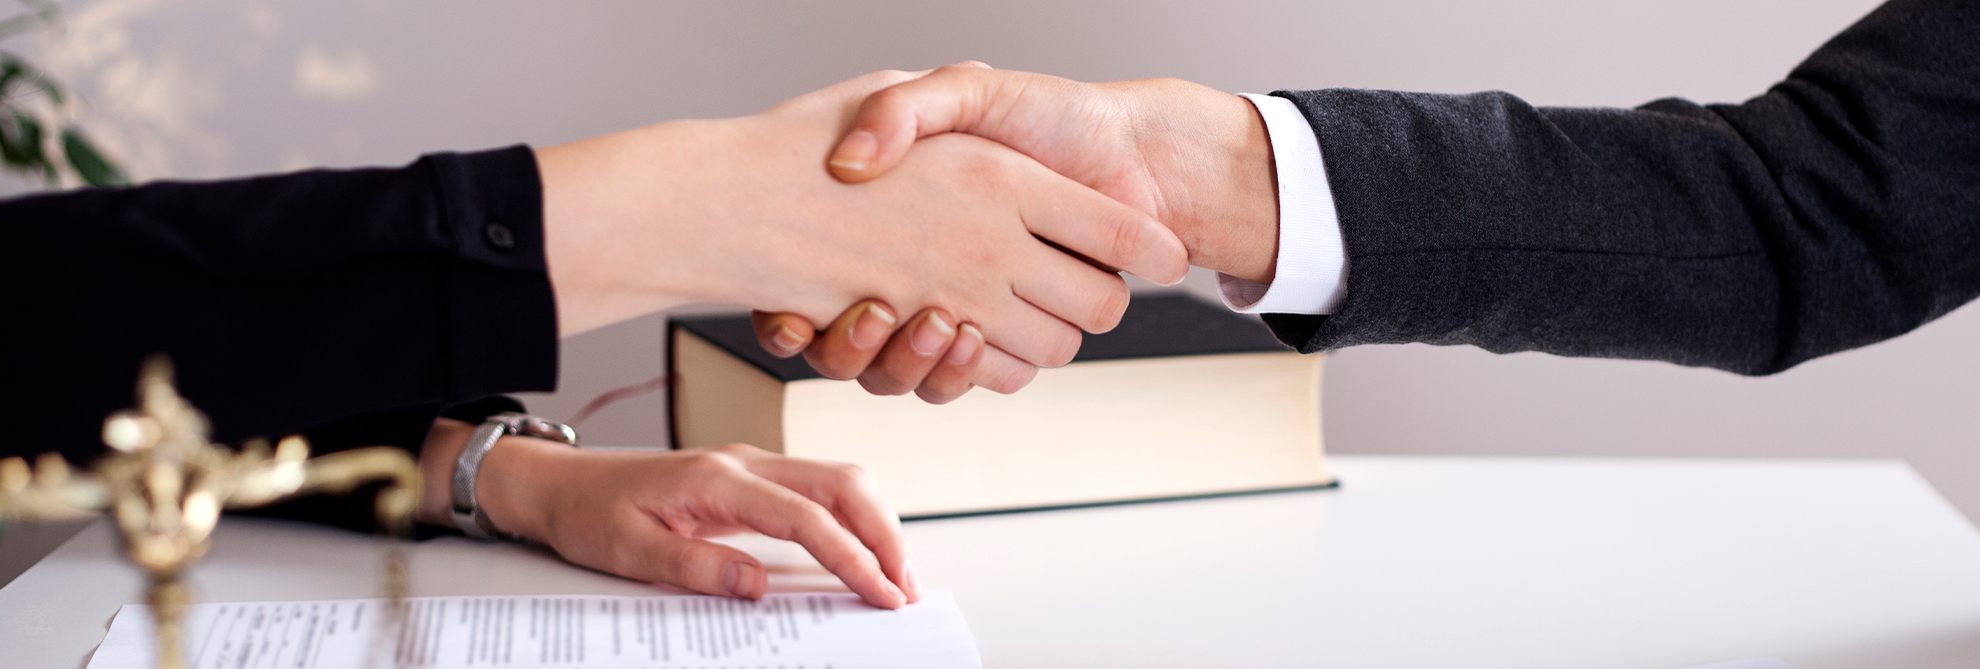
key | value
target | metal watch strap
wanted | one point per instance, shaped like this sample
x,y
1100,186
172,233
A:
x,y
466,509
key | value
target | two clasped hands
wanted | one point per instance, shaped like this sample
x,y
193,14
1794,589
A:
x,y
973,218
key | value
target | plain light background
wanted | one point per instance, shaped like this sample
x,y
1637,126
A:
x,y
216,88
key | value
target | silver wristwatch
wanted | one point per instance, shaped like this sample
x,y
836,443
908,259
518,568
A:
x,y
467,510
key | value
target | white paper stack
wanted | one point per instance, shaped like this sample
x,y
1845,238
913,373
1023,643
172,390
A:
x,y
792,631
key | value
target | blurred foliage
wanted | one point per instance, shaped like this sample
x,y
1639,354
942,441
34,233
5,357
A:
x,y
39,140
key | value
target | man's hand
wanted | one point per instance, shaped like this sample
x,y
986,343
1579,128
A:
x,y
1196,159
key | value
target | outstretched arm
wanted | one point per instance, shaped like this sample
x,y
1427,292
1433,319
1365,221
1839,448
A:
x,y
1836,210
296,299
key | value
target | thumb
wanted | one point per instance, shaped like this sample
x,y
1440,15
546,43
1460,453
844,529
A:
x,y
890,120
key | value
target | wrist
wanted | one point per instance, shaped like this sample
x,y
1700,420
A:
x,y
518,484
1220,190
515,486
618,221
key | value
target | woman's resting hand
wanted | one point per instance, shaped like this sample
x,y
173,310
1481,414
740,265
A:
x,y
645,514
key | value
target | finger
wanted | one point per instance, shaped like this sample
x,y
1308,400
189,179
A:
x,y
779,512
845,349
1023,329
891,119
782,334
951,377
852,495
1003,373
913,352
1070,289
1105,231
656,555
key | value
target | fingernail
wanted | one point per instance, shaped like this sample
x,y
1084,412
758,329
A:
x,y
913,582
856,151
967,346
786,340
743,579
873,327
934,333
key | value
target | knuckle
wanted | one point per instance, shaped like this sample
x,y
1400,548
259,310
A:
x,y
890,77
1011,379
848,476
897,99
698,563
1060,348
1131,240
1108,307
738,449
712,462
807,519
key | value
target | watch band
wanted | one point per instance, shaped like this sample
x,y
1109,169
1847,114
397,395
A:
x,y
466,509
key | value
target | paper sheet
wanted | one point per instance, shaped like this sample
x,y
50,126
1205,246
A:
x,y
793,631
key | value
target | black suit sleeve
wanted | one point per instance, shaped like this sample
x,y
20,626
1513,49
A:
x,y
1840,208
404,427
284,301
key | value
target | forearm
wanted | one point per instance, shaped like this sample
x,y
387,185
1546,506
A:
x,y
616,202
1833,212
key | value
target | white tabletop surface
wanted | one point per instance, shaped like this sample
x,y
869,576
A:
x,y
1417,562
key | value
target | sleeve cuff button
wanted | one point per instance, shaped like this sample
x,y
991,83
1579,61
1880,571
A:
x,y
499,236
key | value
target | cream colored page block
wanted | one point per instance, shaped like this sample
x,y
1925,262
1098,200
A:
x,y
720,399
1059,440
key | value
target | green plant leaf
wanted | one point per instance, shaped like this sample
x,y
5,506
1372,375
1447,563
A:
x,y
14,70
20,144
11,70
21,148
12,152
89,163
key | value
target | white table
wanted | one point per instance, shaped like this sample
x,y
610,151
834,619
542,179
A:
x,y
1417,562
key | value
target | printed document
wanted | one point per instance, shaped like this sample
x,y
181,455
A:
x,y
791,631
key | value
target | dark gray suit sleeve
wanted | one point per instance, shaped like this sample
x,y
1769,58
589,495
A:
x,y
1839,209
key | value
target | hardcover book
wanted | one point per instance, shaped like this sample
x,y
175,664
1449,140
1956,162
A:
x,y
1182,399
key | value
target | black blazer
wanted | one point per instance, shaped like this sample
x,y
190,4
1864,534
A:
x,y
1840,208
351,303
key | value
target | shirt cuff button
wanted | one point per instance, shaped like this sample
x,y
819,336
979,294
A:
x,y
499,236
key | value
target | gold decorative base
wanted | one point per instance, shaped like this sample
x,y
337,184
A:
x,y
167,483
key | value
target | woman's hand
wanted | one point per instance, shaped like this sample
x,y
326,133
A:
x,y
930,354
645,514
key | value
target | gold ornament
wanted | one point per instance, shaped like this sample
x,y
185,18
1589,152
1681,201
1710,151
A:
x,y
166,484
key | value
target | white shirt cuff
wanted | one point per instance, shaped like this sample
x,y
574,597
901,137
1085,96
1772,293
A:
x,y
1311,271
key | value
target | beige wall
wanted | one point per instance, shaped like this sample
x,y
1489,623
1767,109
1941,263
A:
x,y
221,87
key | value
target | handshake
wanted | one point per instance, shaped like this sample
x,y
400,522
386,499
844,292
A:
x,y
995,206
